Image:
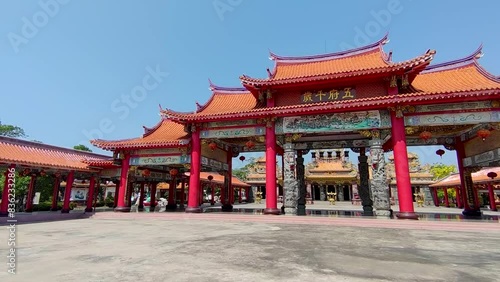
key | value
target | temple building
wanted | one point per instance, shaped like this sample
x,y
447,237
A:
x,y
256,177
420,178
358,99
331,172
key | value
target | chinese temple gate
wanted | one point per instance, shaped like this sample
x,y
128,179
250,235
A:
x,y
358,99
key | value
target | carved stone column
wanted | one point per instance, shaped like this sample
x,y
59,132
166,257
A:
x,y
301,203
340,193
253,192
378,185
290,185
363,188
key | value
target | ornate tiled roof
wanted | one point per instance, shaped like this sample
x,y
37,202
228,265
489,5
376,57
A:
x,y
479,177
36,154
166,134
331,169
463,75
366,60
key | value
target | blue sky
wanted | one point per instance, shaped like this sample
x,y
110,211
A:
x,y
65,65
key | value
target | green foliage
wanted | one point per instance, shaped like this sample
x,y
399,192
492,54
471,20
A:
x,y
440,171
109,201
11,131
81,147
242,173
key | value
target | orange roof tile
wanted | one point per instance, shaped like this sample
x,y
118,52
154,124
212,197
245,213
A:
x,y
165,134
36,154
366,60
479,177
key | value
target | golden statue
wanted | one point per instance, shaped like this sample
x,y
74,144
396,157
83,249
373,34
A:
x,y
420,198
331,197
258,197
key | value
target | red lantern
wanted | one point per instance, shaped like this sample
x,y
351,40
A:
x,y
440,152
425,135
210,177
250,144
212,146
483,133
146,173
492,174
242,158
173,172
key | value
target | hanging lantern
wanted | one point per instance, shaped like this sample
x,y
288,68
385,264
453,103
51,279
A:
x,y
146,173
173,172
210,177
250,144
425,135
492,174
440,153
242,158
483,133
212,146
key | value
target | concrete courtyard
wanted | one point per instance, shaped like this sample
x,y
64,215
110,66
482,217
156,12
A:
x,y
236,247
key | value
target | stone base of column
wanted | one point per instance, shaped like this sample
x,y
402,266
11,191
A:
x,y
368,211
171,207
65,211
472,213
383,213
407,215
301,209
227,208
89,210
290,211
122,209
193,210
272,211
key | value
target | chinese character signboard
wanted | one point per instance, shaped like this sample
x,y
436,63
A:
x,y
346,93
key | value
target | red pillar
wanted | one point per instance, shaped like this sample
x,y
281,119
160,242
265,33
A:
x,y
4,207
121,205
183,195
67,191
91,194
55,192
130,189
458,197
117,190
31,191
223,194
172,188
194,178
405,197
467,193
240,198
152,203
271,197
230,179
446,200
141,197
491,193
436,199
247,194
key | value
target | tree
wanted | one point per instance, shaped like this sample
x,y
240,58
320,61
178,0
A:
x,y
8,130
81,147
440,171
242,173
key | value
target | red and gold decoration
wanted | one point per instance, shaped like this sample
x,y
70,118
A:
x,y
425,135
173,172
242,158
146,173
492,174
212,146
483,133
250,144
210,177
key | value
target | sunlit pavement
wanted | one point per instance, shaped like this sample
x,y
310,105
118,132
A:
x,y
239,247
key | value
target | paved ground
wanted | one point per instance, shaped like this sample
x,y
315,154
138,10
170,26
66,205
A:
x,y
238,247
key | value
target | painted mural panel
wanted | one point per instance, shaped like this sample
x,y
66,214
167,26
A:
x,y
454,106
453,118
161,160
166,151
233,132
332,123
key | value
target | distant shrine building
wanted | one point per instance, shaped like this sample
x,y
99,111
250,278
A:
x,y
358,99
